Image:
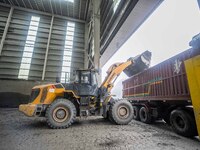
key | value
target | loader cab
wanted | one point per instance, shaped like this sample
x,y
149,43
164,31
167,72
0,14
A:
x,y
86,77
86,82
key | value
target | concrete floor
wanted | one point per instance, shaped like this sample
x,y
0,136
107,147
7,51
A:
x,y
20,132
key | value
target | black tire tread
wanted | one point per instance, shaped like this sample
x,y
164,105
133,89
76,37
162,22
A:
x,y
60,100
112,115
149,119
192,130
137,117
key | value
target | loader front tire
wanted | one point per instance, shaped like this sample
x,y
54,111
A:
x,y
121,112
60,114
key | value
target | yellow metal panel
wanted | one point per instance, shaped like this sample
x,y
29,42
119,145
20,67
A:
x,y
193,74
28,109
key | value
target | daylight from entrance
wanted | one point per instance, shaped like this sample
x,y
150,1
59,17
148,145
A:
x,y
165,33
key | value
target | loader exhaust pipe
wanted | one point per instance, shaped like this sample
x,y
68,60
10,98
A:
x,y
139,63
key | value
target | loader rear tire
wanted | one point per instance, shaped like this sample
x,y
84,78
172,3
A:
x,y
60,114
121,112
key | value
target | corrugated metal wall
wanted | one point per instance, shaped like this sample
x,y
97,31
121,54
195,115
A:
x,y
54,63
13,48
7,66
3,18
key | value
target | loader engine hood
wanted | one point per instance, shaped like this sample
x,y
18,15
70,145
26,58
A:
x,y
39,92
140,63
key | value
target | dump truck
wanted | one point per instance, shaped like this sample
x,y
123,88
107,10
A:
x,y
61,103
169,91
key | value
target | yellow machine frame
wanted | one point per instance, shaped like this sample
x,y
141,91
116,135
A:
x,y
29,109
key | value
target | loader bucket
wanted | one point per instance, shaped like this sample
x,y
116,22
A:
x,y
140,63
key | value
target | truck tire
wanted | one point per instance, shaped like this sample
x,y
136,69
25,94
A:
x,y
60,114
136,115
183,123
145,115
121,112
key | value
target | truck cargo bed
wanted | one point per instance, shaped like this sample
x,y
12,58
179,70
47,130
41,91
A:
x,y
163,82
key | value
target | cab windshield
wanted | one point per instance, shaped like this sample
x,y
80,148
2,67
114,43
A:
x,y
86,77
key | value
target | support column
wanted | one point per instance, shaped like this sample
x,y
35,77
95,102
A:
x,y
6,29
96,18
86,59
96,21
47,49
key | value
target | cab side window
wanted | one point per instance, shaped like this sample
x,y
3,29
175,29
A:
x,y
94,79
77,78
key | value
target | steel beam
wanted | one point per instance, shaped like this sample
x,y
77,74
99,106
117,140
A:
x,y
106,22
51,7
114,25
29,4
90,47
90,43
85,10
6,29
61,8
47,49
79,16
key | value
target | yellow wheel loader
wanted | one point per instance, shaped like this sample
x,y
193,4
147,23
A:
x,y
61,103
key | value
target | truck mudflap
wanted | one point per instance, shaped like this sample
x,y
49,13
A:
x,y
28,109
140,63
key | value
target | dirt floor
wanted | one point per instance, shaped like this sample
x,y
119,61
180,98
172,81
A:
x,y
20,132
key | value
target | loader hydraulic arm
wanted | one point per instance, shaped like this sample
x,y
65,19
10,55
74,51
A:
x,y
130,67
113,72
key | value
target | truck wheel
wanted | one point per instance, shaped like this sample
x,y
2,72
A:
x,y
183,123
136,110
145,116
60,114
121,112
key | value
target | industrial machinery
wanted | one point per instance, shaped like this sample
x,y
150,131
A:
x,y
169,91
61,103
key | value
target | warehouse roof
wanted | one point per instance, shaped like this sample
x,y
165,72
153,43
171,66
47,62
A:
x,y
77,9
